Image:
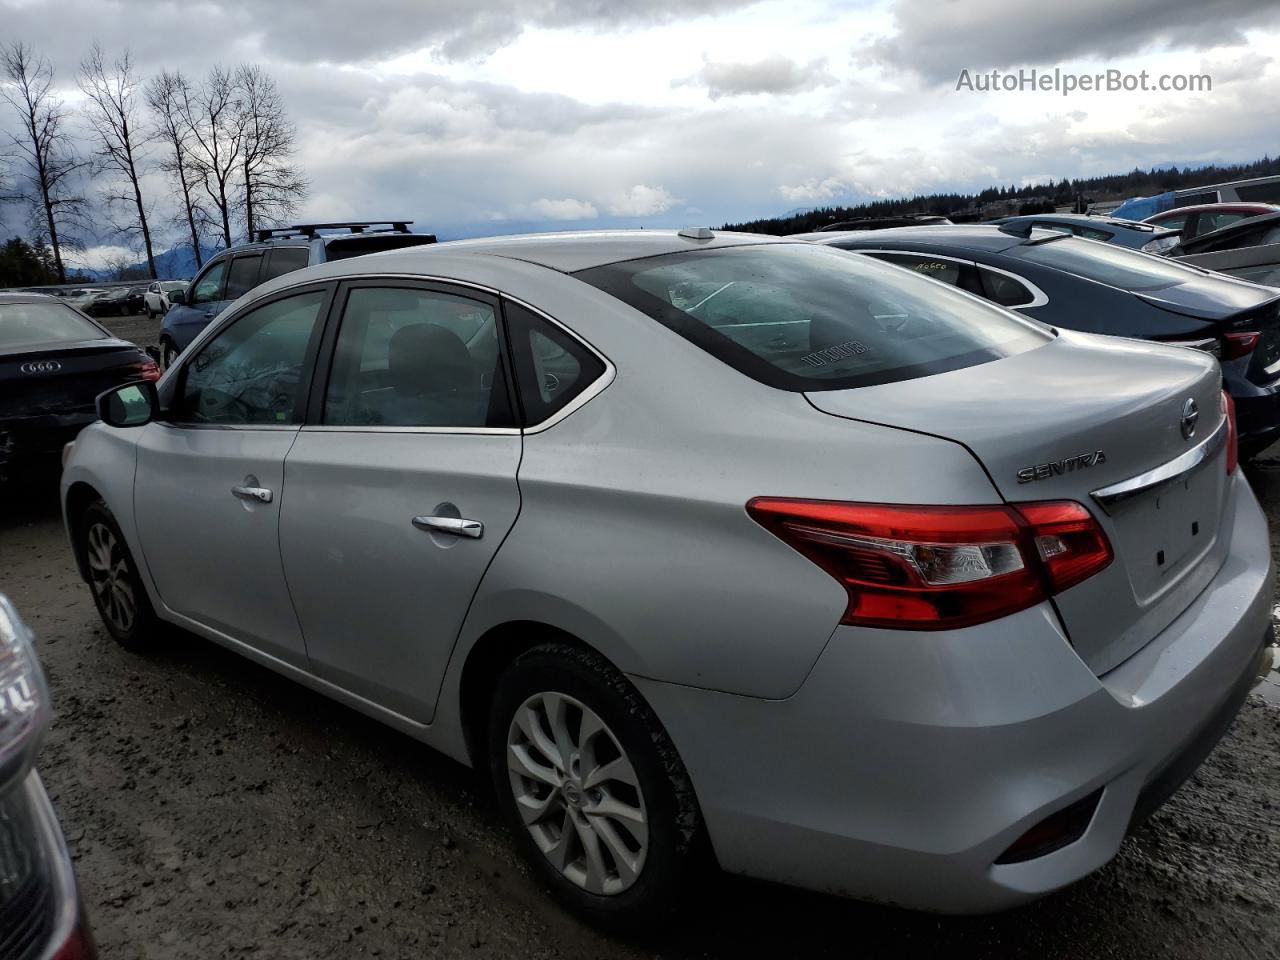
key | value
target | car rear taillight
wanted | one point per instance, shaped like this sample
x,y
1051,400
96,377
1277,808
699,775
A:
x,y
1237,345
1233,436
146,370
935,568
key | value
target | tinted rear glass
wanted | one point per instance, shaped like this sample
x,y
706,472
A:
x,y
29,324
1105,263
360,244
802,317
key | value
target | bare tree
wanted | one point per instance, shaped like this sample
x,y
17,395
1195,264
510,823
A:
x,y
270,179
111,105
169,96
45,148
211,115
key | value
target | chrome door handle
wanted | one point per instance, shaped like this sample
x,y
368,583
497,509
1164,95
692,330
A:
x,y
257,494
457,526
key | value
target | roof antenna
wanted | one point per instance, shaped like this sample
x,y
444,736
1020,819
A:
x,y
1017,229
696,233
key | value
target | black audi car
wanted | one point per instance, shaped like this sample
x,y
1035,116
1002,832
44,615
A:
x,y
1080,284
40,910
54,361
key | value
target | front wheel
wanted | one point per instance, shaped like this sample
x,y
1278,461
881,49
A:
x,y
168,354
593,787
118,592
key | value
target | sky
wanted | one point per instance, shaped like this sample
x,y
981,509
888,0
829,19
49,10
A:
x,y
500,116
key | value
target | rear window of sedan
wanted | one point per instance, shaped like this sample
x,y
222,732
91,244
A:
x,y
33,323
803,317
1105,263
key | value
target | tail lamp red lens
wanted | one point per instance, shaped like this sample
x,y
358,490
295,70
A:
x,y
936,568
1233,435
1237,345
147,370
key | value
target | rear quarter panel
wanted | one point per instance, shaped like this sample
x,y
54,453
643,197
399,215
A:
x,y
633,534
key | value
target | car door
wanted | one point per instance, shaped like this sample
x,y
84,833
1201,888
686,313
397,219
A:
x,y
402,486
209,484
203,302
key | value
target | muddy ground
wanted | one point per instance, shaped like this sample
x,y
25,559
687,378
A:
x,y
217,810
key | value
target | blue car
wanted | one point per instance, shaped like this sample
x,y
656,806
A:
x,y
279,250
1146,237
1079,284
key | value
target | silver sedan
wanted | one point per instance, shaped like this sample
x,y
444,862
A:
x,y
707,549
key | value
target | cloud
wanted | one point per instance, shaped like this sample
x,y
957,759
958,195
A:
x,y
814,190
642,201
566,209
938,39
324,31
773,75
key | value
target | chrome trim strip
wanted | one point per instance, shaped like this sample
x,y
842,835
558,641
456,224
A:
x,y
381,428
1181,465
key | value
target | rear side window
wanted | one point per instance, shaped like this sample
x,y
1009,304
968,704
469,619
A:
x,y
282,260
411,357
1197,199
807,317
243,276
1004,289
552,368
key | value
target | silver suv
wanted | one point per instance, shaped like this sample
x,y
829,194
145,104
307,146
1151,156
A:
x,y
707,546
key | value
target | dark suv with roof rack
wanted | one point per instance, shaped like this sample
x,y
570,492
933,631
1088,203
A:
x,y
276,251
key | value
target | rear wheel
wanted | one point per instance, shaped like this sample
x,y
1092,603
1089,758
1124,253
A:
x,y
118,592
592,787
168,354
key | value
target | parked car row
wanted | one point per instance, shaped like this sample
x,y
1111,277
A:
x,y
1076,284
713,548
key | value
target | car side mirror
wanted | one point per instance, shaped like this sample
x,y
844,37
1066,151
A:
x,y
177,296
130,405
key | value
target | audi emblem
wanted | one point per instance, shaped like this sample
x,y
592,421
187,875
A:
x,y
41,366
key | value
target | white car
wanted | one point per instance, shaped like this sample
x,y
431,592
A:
x,y
157,296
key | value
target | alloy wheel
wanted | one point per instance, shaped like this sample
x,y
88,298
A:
x,y
577,793
109,575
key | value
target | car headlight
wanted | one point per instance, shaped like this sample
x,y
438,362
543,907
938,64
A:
x,y
1160,245
24,698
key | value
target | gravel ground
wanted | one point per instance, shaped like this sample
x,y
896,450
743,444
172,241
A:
x,y
217,810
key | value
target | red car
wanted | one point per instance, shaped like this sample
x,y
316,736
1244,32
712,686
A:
x,y
1207,217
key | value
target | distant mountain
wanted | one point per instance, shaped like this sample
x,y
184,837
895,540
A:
x,y
176,263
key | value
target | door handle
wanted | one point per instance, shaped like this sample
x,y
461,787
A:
x,y
457,526
257,494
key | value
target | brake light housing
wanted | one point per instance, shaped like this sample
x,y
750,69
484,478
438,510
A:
x,y
146,369
940,568
1237,345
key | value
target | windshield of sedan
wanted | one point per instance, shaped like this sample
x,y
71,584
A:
x,y
1105,263
802,317
25,324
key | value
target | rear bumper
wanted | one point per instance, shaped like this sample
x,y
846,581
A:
x,y
1257,417
907,764
32,438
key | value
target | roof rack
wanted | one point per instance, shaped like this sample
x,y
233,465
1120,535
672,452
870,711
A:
x,y
311,230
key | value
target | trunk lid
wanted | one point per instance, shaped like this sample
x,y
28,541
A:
x,y
1067,419
63,378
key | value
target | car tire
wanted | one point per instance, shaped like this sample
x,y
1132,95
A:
x,y
168,354
118,592
596,785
